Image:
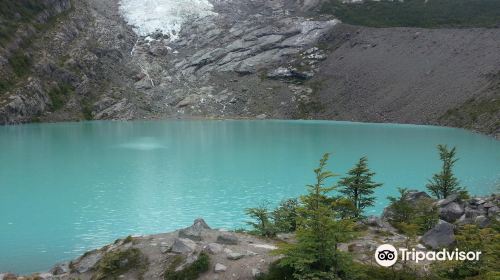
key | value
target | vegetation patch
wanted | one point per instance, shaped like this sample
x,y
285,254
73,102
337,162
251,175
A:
x,y
417,13
59,95
13,13
114,264
191,271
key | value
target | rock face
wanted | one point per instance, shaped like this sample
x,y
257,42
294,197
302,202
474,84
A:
x,y
442,235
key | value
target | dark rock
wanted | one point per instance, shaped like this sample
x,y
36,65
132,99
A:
x,y
441,235
228,239
183,246
451,212
194,232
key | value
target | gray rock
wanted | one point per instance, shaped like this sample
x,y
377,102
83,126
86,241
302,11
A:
x,y
493,211
451,212
441,235
183,246
189,100
482,221
87,261
451,198
59,269
195,231
213,248
219,268
373,221
256,272
234,256
228,239
414,196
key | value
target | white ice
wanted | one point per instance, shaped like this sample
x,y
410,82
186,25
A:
x,y
147,16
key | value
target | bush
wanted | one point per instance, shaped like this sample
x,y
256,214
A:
x,y
20,63
190,272
285,215
115,263
262,225
423,214
59,95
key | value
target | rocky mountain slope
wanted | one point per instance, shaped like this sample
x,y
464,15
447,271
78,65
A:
x,y
252,59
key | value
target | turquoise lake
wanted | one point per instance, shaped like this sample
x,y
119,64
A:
x,y
69,187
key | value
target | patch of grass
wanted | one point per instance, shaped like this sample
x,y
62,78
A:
x,y
20,63
114,264
190,272
5,85
417,13
59,95
475,113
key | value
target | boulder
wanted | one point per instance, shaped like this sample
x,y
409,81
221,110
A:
x,y
373,221
219,268
234,256
451,212
183,246
414,196
227,239
449,199
194,232
441,235
482,221
493,211
213,248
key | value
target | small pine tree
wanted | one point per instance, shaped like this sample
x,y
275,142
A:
x,y
262,225
315,255
358,186
445,183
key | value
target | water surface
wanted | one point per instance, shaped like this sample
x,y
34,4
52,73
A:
x,y
69,187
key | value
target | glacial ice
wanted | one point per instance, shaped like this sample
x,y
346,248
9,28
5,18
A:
x,y
167,16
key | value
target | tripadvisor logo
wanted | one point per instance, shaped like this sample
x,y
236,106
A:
x,y
387,255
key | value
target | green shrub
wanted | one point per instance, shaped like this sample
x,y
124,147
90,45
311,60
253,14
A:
x,y
190,272
261,224
20,63
59,95
423,214
115,263
285,215
472,238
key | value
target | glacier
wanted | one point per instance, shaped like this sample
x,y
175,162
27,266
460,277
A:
x,y
167,16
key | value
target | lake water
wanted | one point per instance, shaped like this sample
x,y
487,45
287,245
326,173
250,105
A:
x,y
69,187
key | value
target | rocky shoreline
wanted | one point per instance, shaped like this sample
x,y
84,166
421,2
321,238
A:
x,y
238,255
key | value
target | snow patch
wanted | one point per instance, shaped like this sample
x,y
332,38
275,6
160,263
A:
x,y
167,16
